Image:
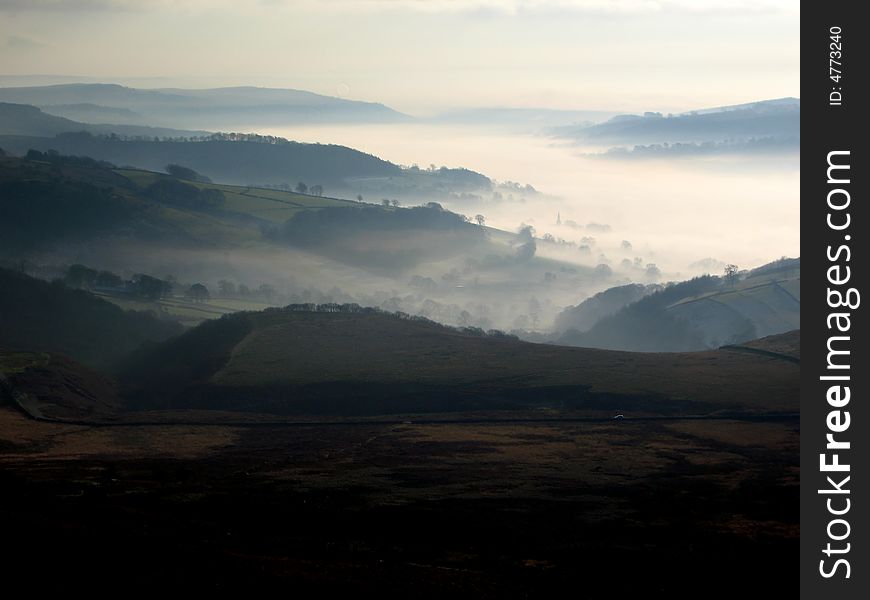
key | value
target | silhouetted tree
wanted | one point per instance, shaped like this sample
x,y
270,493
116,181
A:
x,y
731,273
197,292
149,287
481,220
80,276
317,190
301,188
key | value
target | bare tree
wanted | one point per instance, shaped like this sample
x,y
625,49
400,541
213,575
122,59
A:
x,y
731,273
481,220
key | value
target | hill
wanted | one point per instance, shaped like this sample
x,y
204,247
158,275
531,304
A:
x,y
25,120
350,361
48,317
705,312
740,127
57,210
583,316
203,108
240,159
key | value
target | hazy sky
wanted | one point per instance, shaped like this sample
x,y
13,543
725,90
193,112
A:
x,y
421,56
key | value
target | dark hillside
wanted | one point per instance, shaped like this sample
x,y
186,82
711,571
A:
x,y
39,316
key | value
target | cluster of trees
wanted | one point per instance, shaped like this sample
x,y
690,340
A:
x,y
318,227
299,188
56,158
144,286
213,137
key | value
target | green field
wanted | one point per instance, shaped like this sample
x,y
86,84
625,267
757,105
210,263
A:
x,y
268,204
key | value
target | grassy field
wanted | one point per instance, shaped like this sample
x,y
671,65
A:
x,y
767,306
268,204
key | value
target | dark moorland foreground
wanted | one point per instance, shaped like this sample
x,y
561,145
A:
x,y
504,510
517,501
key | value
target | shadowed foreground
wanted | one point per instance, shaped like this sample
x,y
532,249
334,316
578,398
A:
x,y
660,509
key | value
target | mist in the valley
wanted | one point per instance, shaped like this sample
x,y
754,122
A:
x,y
587,223
685,215
673,212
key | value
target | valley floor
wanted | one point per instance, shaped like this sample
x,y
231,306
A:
x,y
602,510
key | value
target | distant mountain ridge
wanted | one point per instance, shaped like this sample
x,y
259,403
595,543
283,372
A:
x,y
26,120
776,123
204,108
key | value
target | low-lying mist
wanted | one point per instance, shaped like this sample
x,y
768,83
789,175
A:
x,y
741,209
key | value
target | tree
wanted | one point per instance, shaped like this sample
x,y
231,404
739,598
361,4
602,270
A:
x,y
316,190
149,287
198,292
731,273
359,198
394,202
481,220
301,188
385,202
80,276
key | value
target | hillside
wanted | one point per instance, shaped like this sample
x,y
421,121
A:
x,y
706,312
48,317
776,121
241,159
351,361
199,108
26,120
585,315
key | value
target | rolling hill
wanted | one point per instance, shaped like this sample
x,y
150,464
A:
x,y
346,361
740,127
705,312
239,159
198,108
26,120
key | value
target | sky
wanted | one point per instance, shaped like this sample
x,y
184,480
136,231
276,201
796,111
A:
x,y
421,56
